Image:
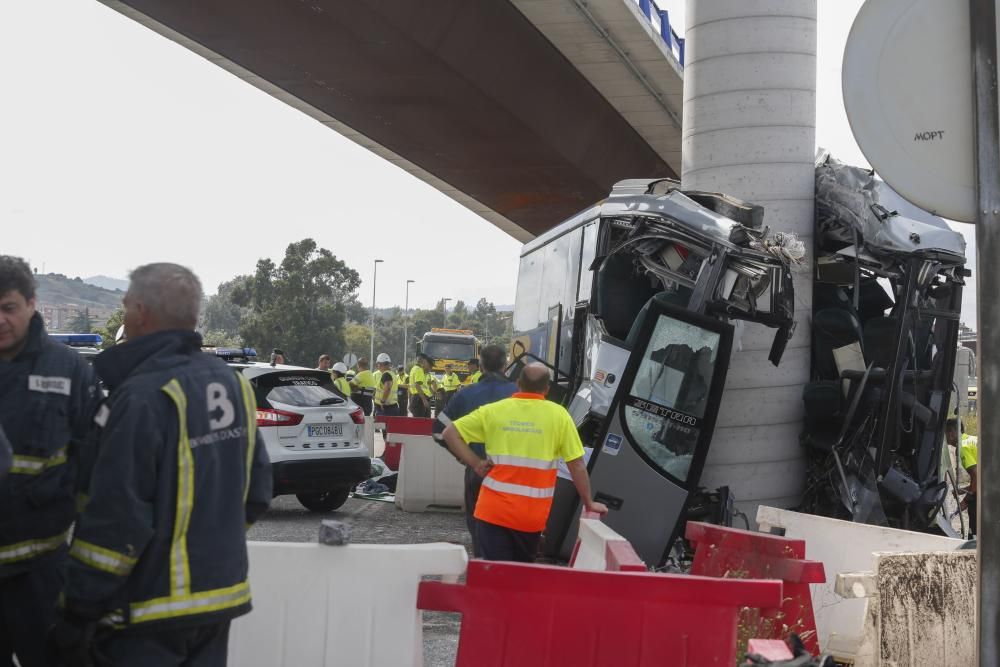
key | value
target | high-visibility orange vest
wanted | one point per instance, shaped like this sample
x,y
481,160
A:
x,y
525,436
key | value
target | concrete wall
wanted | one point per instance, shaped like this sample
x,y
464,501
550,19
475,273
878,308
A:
x,y
921,610
749,131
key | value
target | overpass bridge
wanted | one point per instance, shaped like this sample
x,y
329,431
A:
x,y
524,111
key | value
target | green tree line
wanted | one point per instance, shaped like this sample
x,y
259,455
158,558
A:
x,y
308,305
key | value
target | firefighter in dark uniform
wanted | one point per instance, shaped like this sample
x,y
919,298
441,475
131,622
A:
x,y
158,564
6,455
48,395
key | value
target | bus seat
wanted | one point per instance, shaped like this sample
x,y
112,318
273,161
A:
x,y
833,328
880,339
621,294
872,300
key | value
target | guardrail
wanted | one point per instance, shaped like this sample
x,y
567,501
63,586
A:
x,y
660,19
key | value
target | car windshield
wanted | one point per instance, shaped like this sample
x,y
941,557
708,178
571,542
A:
x,y
449,350
303,389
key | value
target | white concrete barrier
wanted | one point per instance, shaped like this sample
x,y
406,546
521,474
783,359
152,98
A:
x,y
317,605
921,609
428,475
368,433
843,546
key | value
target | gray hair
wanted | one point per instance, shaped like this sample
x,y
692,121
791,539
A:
x,y
172,292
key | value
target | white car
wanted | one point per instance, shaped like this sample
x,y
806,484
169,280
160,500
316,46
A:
x,y
313,436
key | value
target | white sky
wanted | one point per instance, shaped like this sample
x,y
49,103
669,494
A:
x,y
120,147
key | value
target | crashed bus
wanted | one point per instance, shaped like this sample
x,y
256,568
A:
x,y
635,303
886,313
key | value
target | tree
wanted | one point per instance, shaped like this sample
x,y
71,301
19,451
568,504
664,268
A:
x,y
216,338
357,340
300,305
110,328
220,314
81,323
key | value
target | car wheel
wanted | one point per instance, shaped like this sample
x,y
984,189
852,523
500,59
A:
x,y
324,501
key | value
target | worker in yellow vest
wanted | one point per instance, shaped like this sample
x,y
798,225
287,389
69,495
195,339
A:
x,y
474,373
340,383
363,387
525,436
403,389
386,396
450,383
420,389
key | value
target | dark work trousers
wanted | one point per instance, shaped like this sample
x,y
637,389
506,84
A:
x,y
201,646
417,407
499,543
387,410
973,513
28,610
473,482
366,403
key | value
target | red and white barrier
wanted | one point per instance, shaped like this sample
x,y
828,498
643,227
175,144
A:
x,y
515,614
743,554
598,547
316,605
428,474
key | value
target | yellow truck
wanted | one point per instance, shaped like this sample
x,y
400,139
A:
x,y
454,347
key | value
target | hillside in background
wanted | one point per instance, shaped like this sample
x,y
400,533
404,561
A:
x,y
55,289
107,282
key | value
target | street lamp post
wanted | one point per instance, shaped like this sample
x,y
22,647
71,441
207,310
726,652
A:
x,y
406,315
371,355
444,311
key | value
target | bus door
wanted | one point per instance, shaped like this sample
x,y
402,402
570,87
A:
x,y
660,425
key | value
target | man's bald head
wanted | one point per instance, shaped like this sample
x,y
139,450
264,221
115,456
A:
x,y
534,379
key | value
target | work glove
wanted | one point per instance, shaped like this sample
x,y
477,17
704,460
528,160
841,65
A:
x,y
72,639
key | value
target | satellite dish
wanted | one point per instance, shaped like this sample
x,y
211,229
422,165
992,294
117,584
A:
x,y
907,83
350,359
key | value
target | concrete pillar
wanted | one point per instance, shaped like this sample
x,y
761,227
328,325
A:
x,y
749,131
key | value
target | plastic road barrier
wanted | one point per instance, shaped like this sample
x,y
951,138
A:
x,y
428,474
843,546
317,605
742,554
515,614
921,609
598,547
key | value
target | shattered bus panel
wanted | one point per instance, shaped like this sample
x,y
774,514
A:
x,y
633,304
886,308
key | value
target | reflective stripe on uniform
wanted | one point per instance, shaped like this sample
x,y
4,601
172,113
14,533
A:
x,y
36,465
203,602
524,462
180,571
250,404
518,489
101,558
11,553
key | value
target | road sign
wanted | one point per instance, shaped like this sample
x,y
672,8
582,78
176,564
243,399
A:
x,y
907,84
350,359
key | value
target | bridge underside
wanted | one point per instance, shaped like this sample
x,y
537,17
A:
x,y
468,96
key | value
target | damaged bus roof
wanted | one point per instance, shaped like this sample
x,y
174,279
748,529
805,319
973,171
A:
x,y
856,208
708,215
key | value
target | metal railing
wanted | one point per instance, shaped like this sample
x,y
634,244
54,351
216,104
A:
x,y
660,20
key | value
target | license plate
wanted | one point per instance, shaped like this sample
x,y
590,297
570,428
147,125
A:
x,y
325,430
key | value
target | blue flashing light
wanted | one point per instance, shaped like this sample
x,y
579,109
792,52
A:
x,y
78,339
